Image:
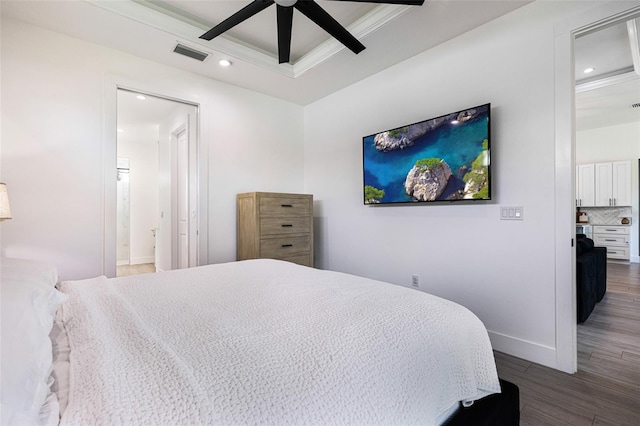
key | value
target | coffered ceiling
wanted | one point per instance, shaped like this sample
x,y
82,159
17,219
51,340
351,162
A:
x,y
607,74
319,64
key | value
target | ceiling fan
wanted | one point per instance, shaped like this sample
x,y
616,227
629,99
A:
x,y
310,9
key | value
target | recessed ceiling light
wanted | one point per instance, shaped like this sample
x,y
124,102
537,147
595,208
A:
x,y
141,97
589,70
120,130
225,63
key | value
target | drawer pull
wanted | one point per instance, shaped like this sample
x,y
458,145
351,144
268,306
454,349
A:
x,y
286,225
613,241
286,205
611,230
287,245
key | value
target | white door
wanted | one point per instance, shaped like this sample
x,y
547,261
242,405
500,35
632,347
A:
x,y
182,158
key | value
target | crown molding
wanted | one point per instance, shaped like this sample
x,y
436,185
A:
x,y
364,26
188,32
607,81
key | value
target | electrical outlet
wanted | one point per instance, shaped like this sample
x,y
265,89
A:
x,y
415,280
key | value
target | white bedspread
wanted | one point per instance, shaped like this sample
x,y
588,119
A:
x,y
268,342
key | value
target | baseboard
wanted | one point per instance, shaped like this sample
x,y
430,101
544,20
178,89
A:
x,y
635,259
533,352
141,260
122,262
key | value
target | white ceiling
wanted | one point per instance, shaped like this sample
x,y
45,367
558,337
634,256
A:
x,y
135,112
320,65
605,96
260,31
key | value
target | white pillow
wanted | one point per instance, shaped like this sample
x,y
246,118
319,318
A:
x,y
29,302
23,270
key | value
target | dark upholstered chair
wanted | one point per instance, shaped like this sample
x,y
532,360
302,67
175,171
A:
x,y
591,276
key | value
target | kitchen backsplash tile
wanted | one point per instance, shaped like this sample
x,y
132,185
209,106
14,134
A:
x,y
606,215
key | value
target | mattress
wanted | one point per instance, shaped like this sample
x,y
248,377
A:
x,y
269,342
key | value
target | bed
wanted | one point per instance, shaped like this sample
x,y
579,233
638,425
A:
x,y
266,342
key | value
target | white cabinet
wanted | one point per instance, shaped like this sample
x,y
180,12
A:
x,y
614,238
585,189
613,184
621,179
603,184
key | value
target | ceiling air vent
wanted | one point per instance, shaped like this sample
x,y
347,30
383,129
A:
x,y
192,53
636,105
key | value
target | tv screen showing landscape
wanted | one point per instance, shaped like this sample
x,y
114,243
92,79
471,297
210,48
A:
x,y
445,158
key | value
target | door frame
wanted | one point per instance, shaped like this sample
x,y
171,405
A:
x,y
109,152
565,165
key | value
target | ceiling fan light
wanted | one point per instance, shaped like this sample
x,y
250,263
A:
x,y
286,3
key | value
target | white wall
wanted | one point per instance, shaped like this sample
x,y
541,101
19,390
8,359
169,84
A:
x,y
504,271
53,145
140,145
615,143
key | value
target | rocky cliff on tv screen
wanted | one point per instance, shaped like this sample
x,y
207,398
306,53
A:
x,y
440,159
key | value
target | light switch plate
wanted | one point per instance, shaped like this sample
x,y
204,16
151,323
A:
x,y
511,213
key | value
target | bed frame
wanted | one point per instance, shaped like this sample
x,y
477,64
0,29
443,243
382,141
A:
x,y
501,409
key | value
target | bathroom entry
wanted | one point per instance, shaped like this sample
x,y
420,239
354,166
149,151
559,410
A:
x,y
157,195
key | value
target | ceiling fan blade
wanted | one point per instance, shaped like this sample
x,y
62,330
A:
x,y
407,2
285,24
313,11
243,14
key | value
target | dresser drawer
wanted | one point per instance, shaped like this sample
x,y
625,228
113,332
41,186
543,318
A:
x,y
610,240
284,207
279,248
300,259
615,230
618,253
285,225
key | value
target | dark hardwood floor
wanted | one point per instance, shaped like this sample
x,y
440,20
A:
x,y
606,389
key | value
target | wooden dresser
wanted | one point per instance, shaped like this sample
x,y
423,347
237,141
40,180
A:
x,y
276,226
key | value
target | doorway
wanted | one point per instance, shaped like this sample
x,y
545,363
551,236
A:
x,y
157,196
607,133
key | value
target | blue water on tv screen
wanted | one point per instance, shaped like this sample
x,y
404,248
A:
x,y
440,159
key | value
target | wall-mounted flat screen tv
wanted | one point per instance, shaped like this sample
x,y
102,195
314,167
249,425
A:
x,y
445,158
